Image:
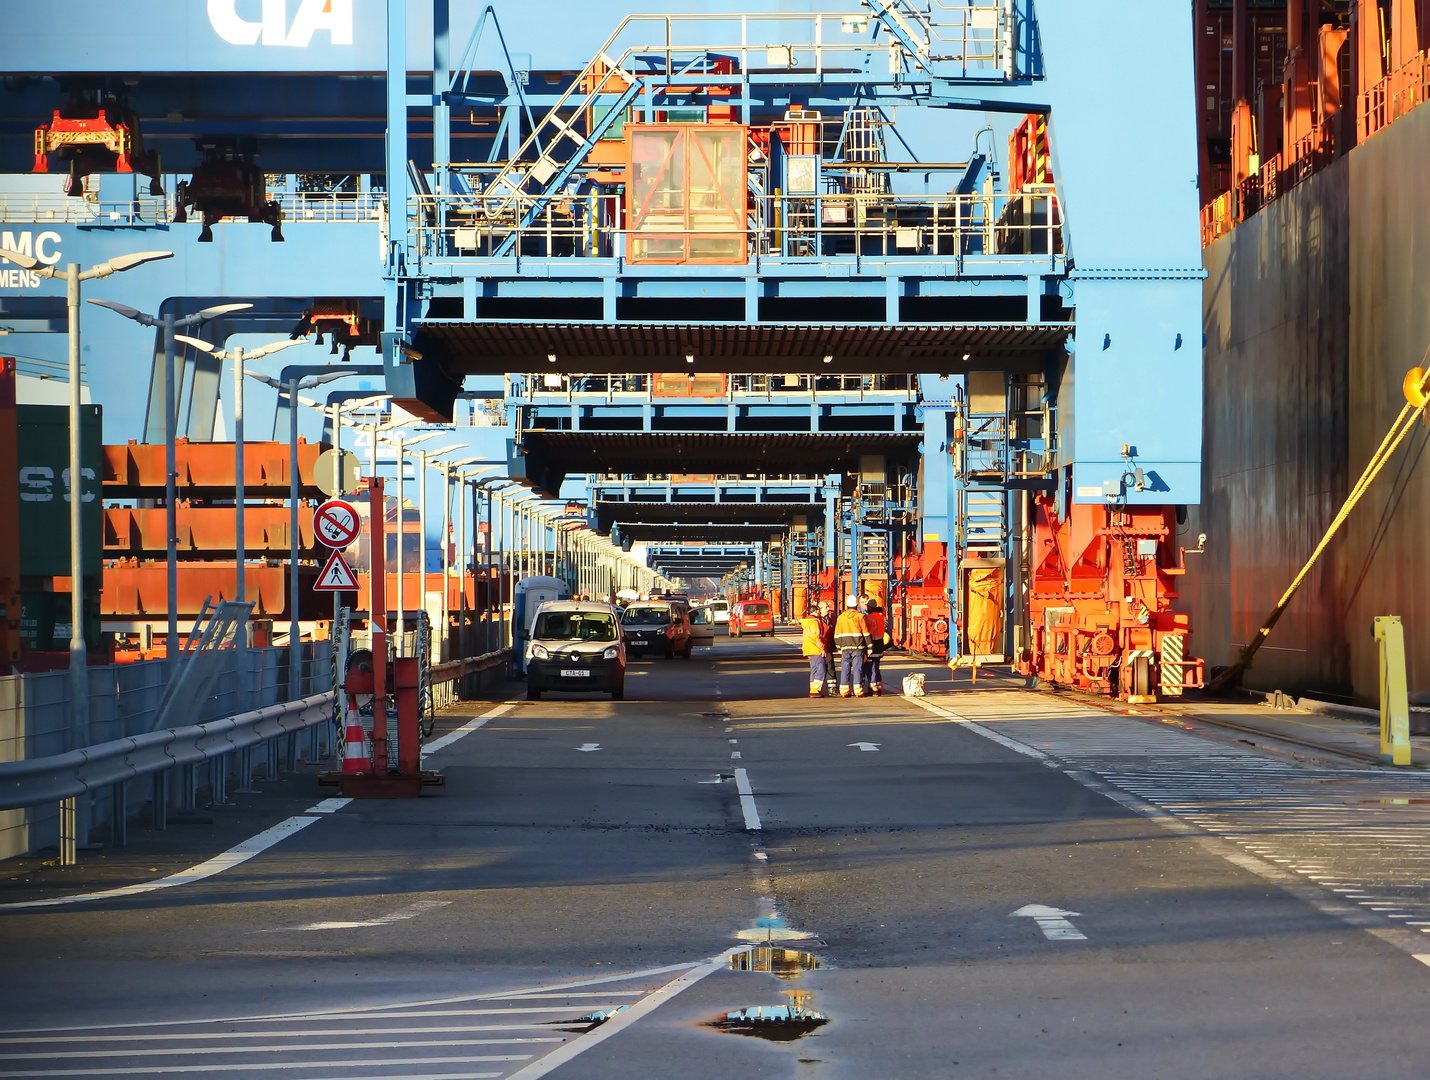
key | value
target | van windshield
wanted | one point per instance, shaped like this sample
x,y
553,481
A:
x,y
647,616
757,609
575,625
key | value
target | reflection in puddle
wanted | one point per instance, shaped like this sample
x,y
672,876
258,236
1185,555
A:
x,y
778,1023
782,963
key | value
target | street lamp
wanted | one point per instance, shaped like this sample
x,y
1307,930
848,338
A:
x,y
446,468
401,441
466,478
171,490
239,357
72,275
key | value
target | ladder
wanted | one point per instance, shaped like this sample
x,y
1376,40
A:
x,y
981,533
596,99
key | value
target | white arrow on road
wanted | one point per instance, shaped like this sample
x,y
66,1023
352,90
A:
x,y
866,746
586,748
1053,922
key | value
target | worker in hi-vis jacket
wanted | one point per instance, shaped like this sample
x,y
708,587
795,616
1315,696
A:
x,y
815,629
878,639
851,638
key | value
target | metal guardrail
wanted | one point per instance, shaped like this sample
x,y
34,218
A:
x,y
471,665
64,776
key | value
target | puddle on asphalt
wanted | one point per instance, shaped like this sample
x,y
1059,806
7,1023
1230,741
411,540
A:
x,y
777,1023
782,963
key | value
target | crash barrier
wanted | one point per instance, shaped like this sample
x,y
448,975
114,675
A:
x,y
207,756
70,779
124,700
488,669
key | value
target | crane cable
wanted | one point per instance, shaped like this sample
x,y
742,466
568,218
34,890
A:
x,y
1417,380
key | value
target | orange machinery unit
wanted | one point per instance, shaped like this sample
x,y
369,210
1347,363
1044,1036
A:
x,y
1100,593
918,616
135,573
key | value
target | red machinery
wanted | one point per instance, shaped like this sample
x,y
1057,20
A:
x,y
92,138
227,184
1100,590
918,601
343,321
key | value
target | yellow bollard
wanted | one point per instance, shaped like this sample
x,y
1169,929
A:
x,y
1394,698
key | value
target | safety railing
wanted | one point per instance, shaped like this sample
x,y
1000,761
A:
x,y
1394,96
302,206
297,206
453,670
560,386
781,226
37,781
38,209
1276,176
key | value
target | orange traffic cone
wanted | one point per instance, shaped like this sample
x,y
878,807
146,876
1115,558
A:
x,y
355,755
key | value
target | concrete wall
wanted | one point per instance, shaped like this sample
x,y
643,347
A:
x,y
1314,309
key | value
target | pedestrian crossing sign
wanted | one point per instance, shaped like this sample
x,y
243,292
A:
x,y
337,576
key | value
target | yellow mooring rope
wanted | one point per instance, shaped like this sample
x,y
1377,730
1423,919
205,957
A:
x,y
1416,385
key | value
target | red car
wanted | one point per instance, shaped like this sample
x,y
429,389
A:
x,y
752,617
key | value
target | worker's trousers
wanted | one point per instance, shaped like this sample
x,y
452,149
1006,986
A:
x,y
818,668
851,672
873,677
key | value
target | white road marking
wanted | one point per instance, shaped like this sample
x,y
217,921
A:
x,y
623,1020
1011,744
194,1051
467,728
867,747
328,806
590,747
409,912
735,755
152,1070
747,800
309,1034
234,856
1053,922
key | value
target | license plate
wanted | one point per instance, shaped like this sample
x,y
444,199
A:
x,y
637,643
574,673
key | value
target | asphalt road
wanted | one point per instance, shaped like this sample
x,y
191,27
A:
x,y
589,856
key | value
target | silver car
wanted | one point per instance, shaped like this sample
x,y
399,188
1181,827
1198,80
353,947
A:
x,y
576,645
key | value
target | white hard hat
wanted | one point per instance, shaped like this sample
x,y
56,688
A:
x,y
851,601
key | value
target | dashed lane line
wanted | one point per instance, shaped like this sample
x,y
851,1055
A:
x,y
747,801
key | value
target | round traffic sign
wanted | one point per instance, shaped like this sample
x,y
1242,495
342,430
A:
x,y
335,523
348,473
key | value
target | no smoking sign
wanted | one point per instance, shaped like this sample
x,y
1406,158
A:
x,y
335,523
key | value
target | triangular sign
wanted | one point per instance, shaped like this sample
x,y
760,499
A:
x,y
337,576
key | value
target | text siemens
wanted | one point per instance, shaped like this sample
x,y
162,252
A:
x,y
27,243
